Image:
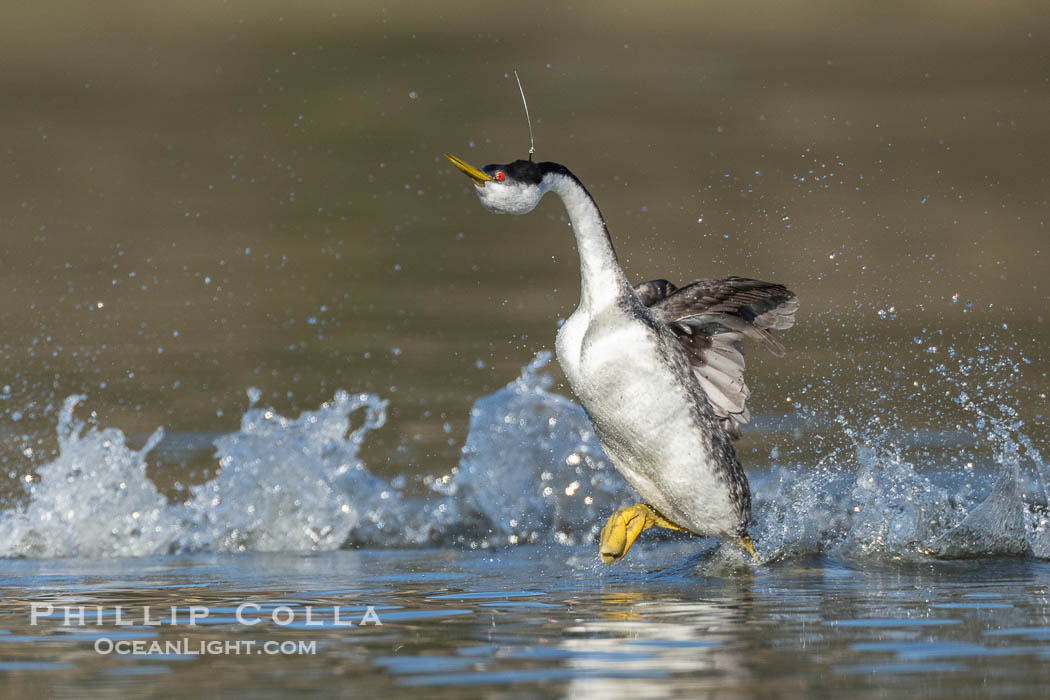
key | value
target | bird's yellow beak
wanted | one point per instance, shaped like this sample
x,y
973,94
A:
x,y
470,171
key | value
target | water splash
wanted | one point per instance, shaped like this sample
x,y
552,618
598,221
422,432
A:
x,y
866,499
93,500
531,471
288,484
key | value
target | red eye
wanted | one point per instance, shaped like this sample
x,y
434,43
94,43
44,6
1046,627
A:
x,y
499,177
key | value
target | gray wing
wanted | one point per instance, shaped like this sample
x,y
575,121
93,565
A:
x,y
711,319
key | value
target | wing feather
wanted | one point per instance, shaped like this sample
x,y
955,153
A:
x,y
711,318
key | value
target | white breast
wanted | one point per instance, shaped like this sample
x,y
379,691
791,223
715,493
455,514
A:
x,y
645,419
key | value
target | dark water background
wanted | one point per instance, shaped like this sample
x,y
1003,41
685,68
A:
x,y
266,183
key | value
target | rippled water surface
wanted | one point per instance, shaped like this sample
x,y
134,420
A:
x,y
539,619
266,366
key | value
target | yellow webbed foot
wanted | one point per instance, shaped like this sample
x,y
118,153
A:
x,y
748,546
623,527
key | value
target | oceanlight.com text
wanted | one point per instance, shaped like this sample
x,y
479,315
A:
x,y
204,647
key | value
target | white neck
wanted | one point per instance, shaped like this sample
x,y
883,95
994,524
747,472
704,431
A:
x,y
602,281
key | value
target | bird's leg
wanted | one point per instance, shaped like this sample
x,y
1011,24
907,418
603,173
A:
x,y
623,527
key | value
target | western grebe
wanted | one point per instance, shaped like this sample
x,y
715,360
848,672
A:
x,y
659,369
